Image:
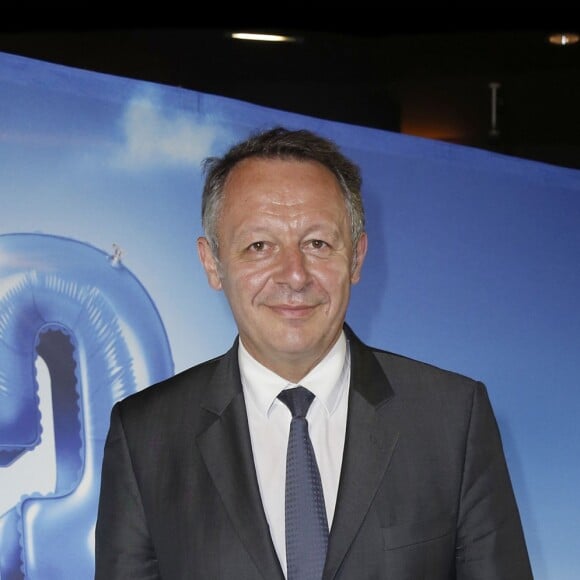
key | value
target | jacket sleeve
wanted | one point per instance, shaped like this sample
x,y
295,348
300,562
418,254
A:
x,y
123,547
490,539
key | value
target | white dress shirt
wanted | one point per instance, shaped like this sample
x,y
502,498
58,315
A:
x,y
269,423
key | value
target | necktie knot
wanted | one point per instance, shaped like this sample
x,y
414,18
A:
x,y
298,400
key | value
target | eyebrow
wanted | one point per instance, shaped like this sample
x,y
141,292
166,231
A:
x,y
247,229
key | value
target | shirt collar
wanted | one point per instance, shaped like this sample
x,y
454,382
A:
x,y
326,380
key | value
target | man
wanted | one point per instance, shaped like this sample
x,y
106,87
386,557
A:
x,y
413,474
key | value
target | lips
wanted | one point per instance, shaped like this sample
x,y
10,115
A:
x,y
293,311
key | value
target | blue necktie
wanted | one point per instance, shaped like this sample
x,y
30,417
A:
x,y
306,523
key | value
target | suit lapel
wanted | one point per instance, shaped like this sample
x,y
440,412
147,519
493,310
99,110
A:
x,y
370,441
371,438
226,449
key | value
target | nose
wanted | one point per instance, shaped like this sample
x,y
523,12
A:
x,y
292,269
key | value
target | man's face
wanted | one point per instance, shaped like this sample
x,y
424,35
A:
x,y
285,261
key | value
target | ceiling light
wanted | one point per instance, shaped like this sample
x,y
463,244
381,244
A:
x,y
564,38
262,37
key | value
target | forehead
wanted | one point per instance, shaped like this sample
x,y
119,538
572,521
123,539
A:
x,y
271,179
282,197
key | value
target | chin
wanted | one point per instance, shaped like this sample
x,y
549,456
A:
x,y
292,341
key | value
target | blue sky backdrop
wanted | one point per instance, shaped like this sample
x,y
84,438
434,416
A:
x,y
474,260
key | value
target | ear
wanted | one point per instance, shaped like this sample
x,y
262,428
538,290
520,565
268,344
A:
x,y
361,252
209,263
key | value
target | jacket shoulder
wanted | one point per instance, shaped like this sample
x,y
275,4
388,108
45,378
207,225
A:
x,y
186,385
402,363
410,377
405,375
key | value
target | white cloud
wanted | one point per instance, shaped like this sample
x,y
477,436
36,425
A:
x,y
155,135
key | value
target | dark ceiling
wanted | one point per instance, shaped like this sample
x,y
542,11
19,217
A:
x,y
432,80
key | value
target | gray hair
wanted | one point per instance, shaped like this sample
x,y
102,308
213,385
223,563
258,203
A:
x,y
281,143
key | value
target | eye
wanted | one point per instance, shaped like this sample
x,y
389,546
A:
x,y
257,247
318,244
259,250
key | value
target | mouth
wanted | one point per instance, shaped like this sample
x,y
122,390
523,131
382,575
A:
x,y
293,311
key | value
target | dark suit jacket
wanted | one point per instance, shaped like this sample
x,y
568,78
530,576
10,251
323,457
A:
x,y
424,491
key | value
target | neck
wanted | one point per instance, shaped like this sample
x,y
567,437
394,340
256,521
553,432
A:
x,y
291,367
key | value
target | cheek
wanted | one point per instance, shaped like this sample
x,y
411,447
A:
x,y
246,284
333,277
